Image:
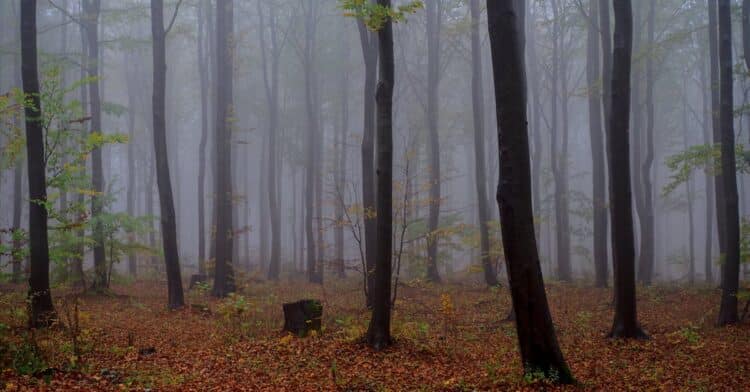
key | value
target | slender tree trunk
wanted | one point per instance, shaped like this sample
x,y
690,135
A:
x,y
379,330
341,149
708,176
17,259
203,65
599,193
369,44
91,9
166,201
713,45
271,84
688,189
131,190
434,20
625,323
536,126
647,244
42,312
314,270
480,179
536,335
223,274
730,269
746,32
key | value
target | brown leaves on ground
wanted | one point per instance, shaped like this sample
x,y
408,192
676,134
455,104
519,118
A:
x,y
449,337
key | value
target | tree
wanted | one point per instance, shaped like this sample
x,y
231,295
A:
x,y
730,269
42,312
379,330
434,11
480,176
625,323
314,269
713,49
599,193
536,336
223,274
369,42
203,70
90,24
166,202
271,84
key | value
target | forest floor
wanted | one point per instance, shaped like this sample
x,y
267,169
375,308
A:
x,y
448,337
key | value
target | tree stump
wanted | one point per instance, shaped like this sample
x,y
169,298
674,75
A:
x,y
303,316
197,278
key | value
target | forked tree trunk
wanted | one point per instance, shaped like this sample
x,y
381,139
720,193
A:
x,y
42,312
538,345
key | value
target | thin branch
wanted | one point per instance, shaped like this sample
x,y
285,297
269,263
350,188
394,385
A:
x,y
174,16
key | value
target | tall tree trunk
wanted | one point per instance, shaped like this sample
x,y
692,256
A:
x,y
625,323
536,115
223,274
536,335
203,66
730,269
708,176
688,187
314,270
341,149
42,312
434,21
369,44
746,32
271,84
379,330
596,132
647,244
91,9
131,189
166,201
713,49
480,176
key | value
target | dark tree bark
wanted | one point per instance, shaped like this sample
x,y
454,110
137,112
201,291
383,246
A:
x,y
203,66
166,201
314,269
434,10
713,49
746,32
271,84
647,243
369,42
42,312
596,132
480,179
730,269
223,273
536,113
625,323
536,336
379,330
90,24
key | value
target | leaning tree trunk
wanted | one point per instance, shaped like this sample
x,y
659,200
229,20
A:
x,y
379,330
480,175
625,323
42,312
166,201
536,335
730,269
223,272
596,132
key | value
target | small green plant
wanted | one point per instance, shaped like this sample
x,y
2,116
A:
x,y
690,334
27,358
